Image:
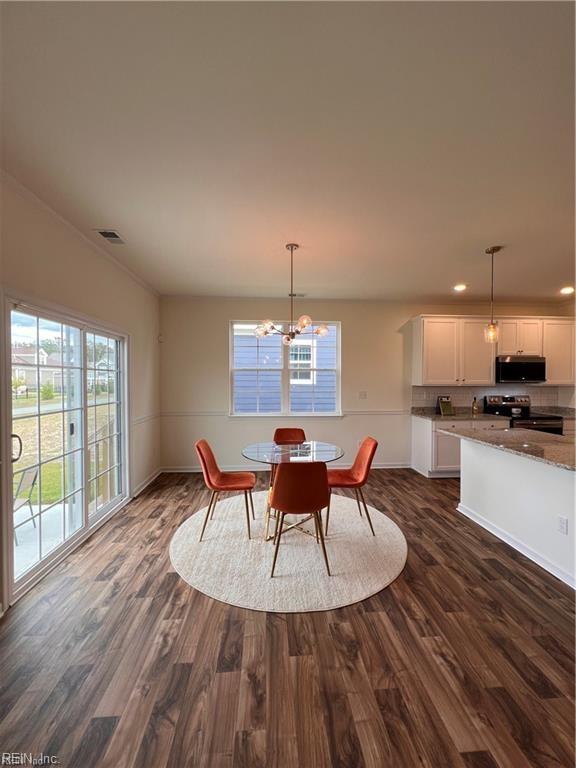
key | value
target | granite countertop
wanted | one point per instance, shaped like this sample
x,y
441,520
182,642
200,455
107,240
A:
x,y
554,410
541,446
460,414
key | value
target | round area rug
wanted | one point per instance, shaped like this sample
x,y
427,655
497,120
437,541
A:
x,y
227,566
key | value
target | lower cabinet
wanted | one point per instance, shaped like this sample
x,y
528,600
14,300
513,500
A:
x,y
445,453
435,454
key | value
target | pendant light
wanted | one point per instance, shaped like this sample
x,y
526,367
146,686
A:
x,y
293,329
491,330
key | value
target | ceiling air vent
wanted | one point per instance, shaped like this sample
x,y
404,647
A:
x,y
111,236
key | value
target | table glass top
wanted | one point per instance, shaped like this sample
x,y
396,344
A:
x,y
271,453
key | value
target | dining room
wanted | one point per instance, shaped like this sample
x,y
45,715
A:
x,y
287,384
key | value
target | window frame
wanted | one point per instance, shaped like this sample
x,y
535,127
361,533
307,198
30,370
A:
x,y
9,301
285,377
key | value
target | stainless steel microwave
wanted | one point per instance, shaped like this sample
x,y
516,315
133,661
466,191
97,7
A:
x,y
520,369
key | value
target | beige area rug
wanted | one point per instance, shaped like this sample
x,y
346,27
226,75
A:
x,y
229,568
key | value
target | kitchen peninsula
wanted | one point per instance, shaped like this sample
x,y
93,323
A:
x,y
519,484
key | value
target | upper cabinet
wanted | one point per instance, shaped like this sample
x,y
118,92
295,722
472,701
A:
x,y
558,349
451,351
520,336
440,358
476,356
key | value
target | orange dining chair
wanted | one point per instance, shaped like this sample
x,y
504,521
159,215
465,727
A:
x,y
218,481
355,477
289,436
300,489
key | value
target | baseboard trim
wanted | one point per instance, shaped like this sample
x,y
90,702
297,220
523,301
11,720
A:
x,y
519,546
265,467
145,483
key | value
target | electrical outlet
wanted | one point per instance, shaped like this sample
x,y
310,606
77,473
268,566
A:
x,y
362,395
563,525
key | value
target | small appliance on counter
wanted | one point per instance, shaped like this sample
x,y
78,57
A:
x,y
520,369
517,407
444,405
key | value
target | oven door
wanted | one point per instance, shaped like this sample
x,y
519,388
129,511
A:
x,y
553,426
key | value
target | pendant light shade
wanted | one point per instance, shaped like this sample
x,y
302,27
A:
x,y
491,330
491,333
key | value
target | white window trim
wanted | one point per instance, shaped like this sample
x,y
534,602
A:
x,y
285,414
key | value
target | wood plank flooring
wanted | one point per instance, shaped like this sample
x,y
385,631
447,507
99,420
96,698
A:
x,y
466,660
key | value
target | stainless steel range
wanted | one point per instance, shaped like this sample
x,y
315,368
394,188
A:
x,y
518,408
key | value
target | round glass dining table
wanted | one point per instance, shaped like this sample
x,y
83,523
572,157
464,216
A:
x,y
274,454
311,450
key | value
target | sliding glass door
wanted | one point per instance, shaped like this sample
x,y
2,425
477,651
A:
x,y
104,419
67,436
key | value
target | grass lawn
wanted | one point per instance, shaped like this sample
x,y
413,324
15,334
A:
x,y
52,485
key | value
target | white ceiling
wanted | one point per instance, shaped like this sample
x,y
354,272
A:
x,y
394,141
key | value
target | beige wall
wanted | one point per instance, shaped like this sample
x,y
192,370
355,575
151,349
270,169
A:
x,y
47,262
375,359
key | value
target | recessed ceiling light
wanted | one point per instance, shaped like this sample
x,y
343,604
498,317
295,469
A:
x,y
460,287
567,290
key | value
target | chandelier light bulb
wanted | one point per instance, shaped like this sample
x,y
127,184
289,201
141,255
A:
x,y
304,321
260,331
268,324
286,340
322,330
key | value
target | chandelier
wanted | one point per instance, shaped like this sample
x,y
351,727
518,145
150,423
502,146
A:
x,y
303,326
491,330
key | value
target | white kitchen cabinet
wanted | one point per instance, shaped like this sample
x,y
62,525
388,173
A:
x,y
441,350
476,356
445,453
451,351
520,336
435,454
558,349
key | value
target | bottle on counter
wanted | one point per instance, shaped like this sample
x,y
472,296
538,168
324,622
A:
x,y
475,407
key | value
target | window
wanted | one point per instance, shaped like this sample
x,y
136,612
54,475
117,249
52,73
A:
x,y
267,377
301,351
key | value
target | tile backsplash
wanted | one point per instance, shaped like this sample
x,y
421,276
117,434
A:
x,y
463,396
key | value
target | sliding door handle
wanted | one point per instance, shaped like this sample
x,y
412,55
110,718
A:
x,y
20,448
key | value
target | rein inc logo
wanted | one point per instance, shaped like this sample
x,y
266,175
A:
x,y
27,758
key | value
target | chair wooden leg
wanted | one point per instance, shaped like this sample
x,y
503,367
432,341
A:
x,y
266,522
211,504
251,504
278,537
316,528
358,501
247,512
276,528
366,510
328,512
319,524
214,505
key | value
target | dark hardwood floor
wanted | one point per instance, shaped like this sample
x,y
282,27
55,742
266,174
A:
x,y
465,660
